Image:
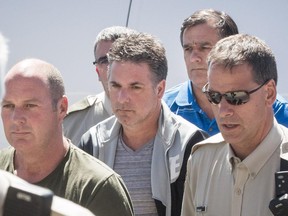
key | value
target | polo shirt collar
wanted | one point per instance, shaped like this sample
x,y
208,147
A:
x,y
185,98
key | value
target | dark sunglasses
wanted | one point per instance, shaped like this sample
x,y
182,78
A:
x,y
101,60
232,97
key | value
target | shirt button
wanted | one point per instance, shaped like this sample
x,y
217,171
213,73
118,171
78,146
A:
x,y
238,191
210,129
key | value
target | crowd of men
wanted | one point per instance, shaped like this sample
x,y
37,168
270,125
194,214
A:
x,y
213,145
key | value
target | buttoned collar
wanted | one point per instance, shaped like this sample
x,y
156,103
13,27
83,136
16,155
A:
x,y
256,160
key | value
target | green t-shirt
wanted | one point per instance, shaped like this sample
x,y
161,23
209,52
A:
x,y
84,180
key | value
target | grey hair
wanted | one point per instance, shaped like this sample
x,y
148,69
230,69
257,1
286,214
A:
x,y
111,34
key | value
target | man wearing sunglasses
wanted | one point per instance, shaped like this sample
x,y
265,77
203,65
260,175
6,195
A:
x,y
199,33
232,173
94,108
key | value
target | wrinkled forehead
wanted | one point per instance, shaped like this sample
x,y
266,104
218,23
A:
x,y
237,76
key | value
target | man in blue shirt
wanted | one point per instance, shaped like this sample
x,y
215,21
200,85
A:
x,y
199,33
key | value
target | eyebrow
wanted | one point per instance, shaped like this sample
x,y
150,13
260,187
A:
x,y
130,84
32,100
202,43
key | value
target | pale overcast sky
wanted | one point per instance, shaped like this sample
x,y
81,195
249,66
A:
x,y
62,32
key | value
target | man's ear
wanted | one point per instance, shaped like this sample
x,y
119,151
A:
x,y
161,88
98,73
271,92
63,106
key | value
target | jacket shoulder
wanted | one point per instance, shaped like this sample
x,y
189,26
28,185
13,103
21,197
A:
x,y
84,103
213,140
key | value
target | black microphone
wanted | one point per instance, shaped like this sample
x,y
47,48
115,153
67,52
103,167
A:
x,y
18,198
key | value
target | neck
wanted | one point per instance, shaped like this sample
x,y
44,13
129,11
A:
x,y
136,140
137,136
245,148
203,102
35,166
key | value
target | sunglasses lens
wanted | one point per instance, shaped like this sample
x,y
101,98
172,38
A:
x,y
214,97
237,97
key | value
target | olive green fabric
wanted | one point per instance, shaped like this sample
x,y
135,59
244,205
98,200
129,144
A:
x,y
85,180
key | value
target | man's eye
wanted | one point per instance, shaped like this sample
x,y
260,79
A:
x,y
136,87
8,106
206,47
30,105
113,85
188,49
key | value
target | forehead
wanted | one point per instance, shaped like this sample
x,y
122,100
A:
x,y
128,72
21,86
201,33
233,78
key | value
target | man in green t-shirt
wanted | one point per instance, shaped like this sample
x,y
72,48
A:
x,y
33,108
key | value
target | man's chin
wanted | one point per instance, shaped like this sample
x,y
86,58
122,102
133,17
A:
x,y
20,143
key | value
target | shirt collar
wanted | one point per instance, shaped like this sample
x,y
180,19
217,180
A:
x,y
185,96
256,160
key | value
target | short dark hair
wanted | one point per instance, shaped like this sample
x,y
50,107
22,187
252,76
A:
x,y
224,24
56,84
243,48
141,48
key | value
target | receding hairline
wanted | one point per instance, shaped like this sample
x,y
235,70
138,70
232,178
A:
x,y
31,67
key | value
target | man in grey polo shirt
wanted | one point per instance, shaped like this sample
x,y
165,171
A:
x,y
232,173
